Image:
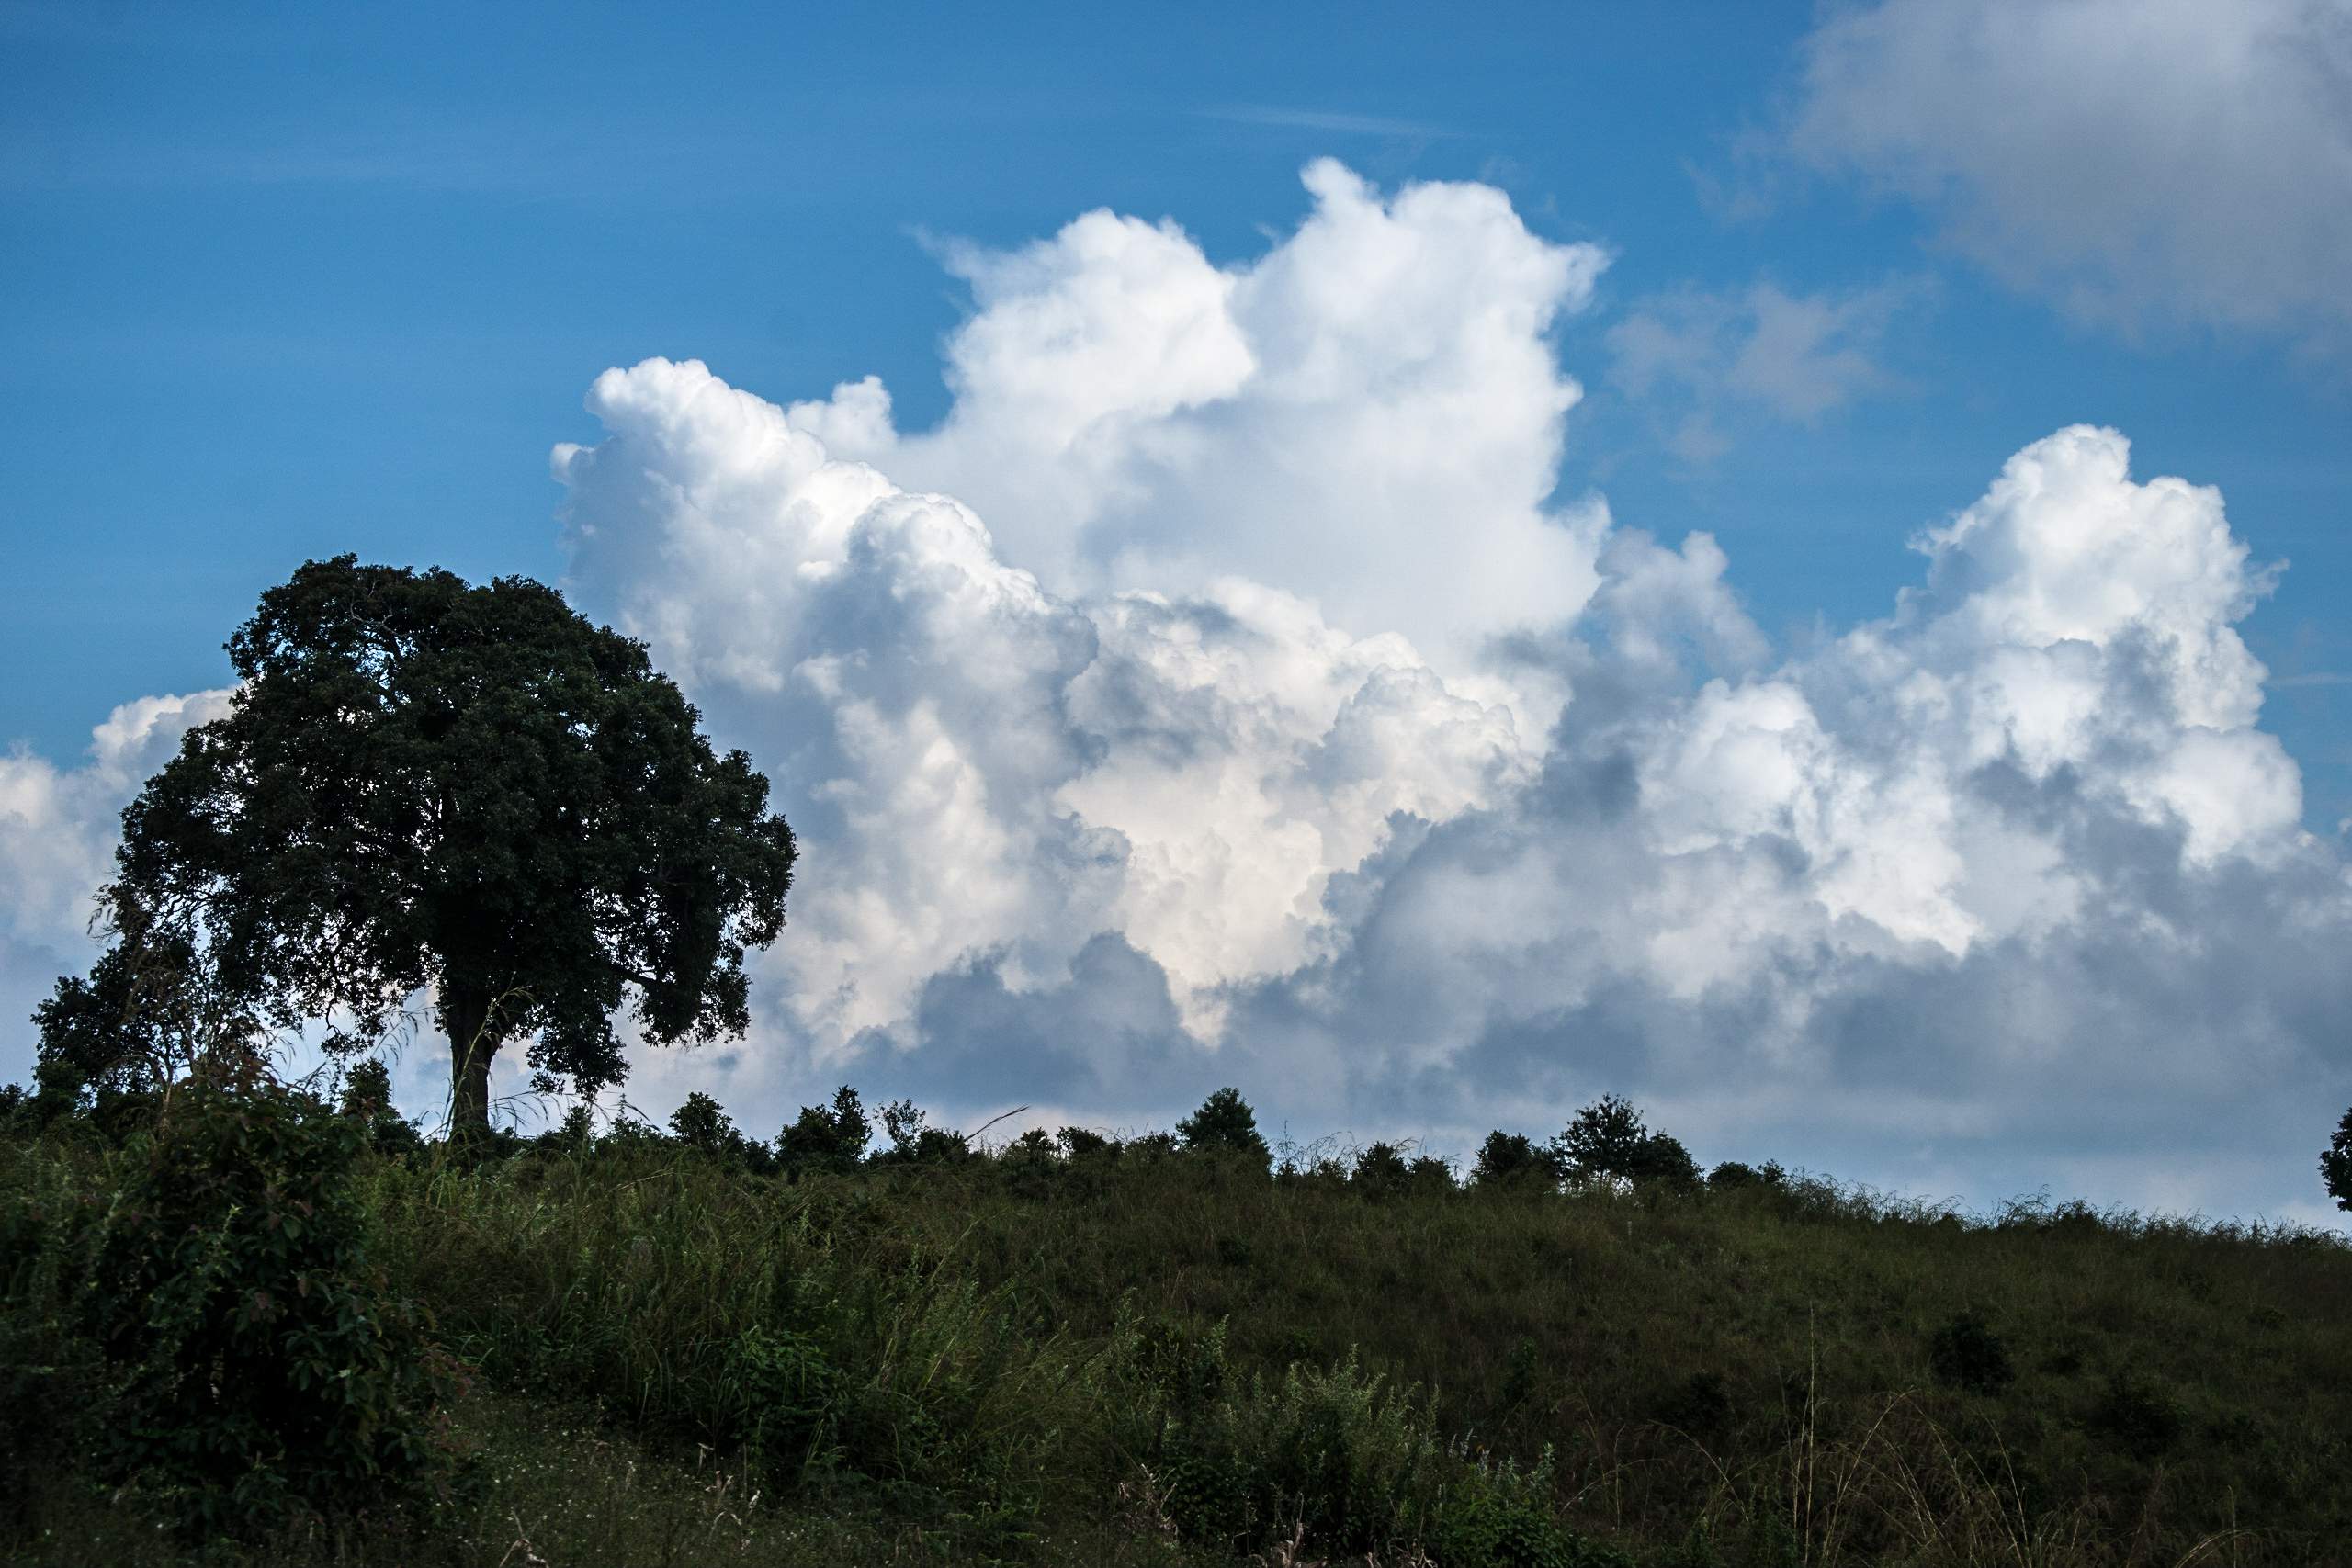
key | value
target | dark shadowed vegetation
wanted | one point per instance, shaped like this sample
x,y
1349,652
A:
x,y
254,1324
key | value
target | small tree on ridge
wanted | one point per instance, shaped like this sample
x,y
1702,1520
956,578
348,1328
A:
x,y
1224,1124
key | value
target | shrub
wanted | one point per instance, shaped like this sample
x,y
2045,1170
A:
x,y
1699,1406
1334,1454
1497,1516
52,1382
263,1368
2138,1417
1967,1355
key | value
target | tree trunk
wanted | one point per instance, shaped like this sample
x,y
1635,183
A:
x,y
465,1018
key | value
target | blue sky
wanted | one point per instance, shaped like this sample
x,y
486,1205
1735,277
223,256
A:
x,y
284,282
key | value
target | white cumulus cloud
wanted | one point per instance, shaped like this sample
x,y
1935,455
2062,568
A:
x,y
1249,694
1218,694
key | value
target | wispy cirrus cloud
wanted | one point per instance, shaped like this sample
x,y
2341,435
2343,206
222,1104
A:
x,y
1328,121
1697,359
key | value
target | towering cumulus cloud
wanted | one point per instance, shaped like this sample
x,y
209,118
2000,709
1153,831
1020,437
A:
x,y
56,836
1219,693
1222,692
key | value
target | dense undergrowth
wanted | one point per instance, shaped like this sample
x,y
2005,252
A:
x,y
241,1330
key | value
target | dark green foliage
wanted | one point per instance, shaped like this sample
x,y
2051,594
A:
x,y
1033,1146
1495,1517
1431,1174
112,1043
1080,1143
1331,1457
1731,1176
1662,1158
1224,1125
705,1127
1608,1140
2139,1417
914,1141
2336,1163
1604,1138
1381,1172
1040,1356
367,1099
1699,1406
1510,1158
260,1365
1967,1355
421,782
826,1138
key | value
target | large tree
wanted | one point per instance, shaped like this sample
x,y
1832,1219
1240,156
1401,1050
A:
x,y
426,785
2336,1163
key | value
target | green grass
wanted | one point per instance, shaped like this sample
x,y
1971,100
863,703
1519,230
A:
x,y
1178,1360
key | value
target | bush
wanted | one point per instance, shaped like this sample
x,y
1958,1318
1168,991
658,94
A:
x,y
1698,1406
1496,1517
2138,1417
1333,1454
1967,1355
263,1368
52,1382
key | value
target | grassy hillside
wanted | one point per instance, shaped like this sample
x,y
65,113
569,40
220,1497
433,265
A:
x,y
1136,1355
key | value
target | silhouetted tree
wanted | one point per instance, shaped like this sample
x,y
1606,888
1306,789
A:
x,y
1510,1159
1608,1138
1380,1171
1081,1143
914,1141
426,784
148,1011
1224,1124
702,1123
1431,1174
1603,1139
367,1099
2336,1163
827,1139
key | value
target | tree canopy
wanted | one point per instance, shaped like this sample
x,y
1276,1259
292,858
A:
x,y
1609,1139
1224,1124
2336,1163
426,783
